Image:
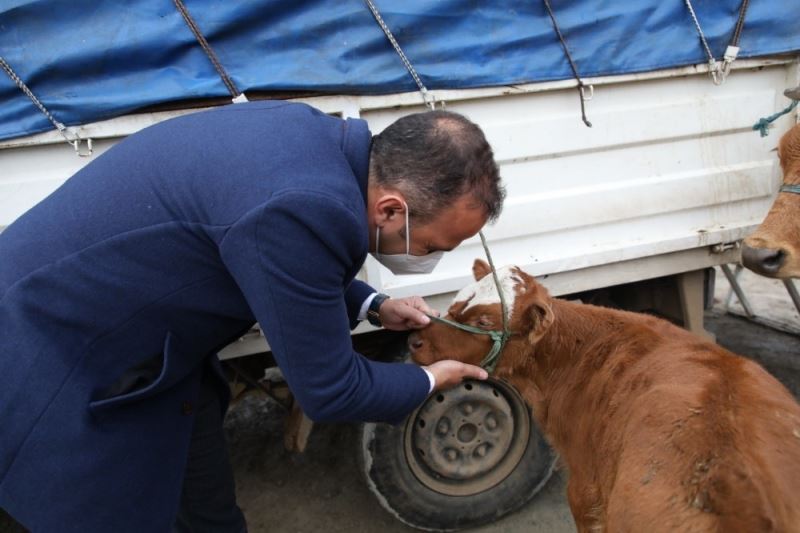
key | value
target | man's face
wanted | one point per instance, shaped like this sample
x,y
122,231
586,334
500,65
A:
x,y
457,222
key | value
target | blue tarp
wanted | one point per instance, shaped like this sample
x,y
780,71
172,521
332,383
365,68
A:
x,y
93,59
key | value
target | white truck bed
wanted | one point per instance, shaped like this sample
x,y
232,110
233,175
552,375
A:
x,y
670,168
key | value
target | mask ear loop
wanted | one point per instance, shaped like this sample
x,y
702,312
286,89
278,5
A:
x,y
408,236
408,232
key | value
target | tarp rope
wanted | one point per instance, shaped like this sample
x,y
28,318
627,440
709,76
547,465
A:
x,y
427,97
719,72
236,94
72,138
581,86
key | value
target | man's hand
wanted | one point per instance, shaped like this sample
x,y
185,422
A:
x,y
400,314
449,373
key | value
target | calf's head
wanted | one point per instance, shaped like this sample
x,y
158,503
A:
x,y
773,250
478,305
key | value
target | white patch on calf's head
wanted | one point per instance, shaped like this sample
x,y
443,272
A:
x,y
484,291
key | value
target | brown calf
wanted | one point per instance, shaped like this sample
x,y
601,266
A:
x,y
773,250
660,429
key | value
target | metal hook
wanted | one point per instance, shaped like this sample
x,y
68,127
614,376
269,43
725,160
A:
x,y
714,72
583,93
74,140
429,99
584,99
76,144
727,62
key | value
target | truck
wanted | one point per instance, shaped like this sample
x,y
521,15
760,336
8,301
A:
x,y
625,139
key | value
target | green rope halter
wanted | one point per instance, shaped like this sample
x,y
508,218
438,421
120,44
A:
x,y
790,188
499,338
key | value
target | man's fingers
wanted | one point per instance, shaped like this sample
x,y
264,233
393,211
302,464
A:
x,y
419,303
406,313
449,373
474,372
413,317
418,323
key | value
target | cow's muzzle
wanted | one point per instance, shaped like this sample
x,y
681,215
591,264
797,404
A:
x,y
764,261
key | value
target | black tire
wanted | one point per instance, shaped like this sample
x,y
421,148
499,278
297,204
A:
x,y
465,458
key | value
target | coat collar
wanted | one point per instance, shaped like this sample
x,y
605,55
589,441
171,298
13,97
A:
x,y
356,143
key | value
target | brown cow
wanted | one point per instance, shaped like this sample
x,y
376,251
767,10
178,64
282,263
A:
x,y
661,430
773,250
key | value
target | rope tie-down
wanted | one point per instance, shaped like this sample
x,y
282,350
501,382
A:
x,y
762,126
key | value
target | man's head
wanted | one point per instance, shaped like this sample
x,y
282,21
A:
x,y
437,168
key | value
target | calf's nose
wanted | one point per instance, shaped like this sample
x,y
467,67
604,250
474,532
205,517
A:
x,y
764,261
414,342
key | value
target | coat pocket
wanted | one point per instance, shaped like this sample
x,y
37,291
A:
x,y
148,379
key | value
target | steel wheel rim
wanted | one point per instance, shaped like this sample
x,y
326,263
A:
x,y
468,439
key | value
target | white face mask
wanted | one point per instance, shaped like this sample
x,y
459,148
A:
x,y
406,263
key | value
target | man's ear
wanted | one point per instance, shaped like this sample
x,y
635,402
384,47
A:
x,y
480,269
388,207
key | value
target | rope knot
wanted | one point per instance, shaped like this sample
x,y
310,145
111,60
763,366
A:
x,y
763,124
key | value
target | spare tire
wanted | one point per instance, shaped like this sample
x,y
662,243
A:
x,y
465,457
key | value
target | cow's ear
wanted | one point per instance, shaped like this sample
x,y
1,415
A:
x,y
480,269
536,313
542,317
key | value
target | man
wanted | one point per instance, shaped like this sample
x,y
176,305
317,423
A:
x,y
118,289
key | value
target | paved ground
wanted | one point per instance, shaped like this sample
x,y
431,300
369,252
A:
x,y
323,489
769,300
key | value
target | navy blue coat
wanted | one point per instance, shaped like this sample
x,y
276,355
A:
x,y
166,248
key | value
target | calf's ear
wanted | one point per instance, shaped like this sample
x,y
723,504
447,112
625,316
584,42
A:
x,y
480,269
535,310
542,318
